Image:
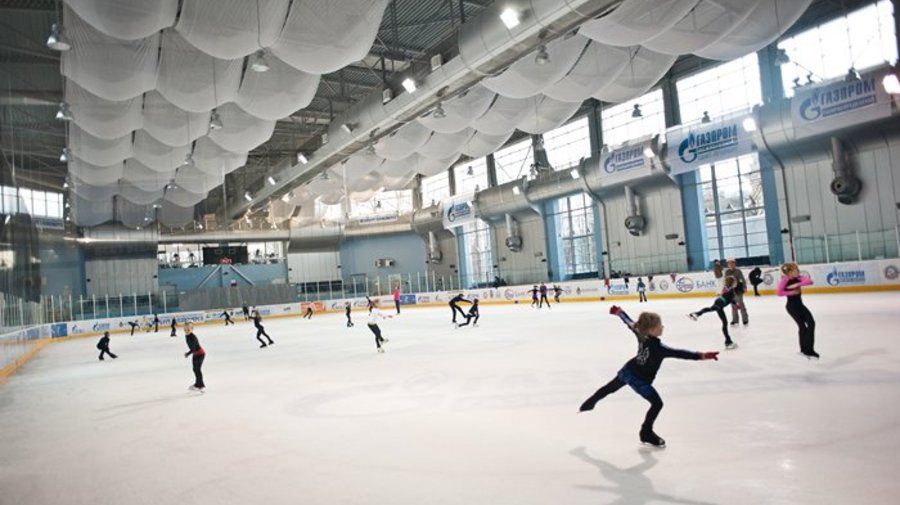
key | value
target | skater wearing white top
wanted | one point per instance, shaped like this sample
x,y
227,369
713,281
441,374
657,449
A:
x,y
375,315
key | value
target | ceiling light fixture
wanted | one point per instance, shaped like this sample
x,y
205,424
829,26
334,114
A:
x,y
57,39
852,75
65,155
575,174
64,114
370,150
215,122
510,17
409,84
516,190
439,112
891,82
302,158
781,57
258,61
705,119
636,112
542,57
470,171
247,196
286,198
749,124
188,160
271,180
65,184
348,127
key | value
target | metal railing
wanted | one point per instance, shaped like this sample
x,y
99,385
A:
x,y
853,246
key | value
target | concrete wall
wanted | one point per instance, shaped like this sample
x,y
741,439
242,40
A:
x,y
314,266
113,276
358,255
181,279
530,264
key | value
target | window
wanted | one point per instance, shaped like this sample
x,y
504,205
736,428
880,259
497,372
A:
x,y
620,125
478,256
729,87
435,188
575,219
567,144
384,202
33,202
733,208
861,39
513,162
470,176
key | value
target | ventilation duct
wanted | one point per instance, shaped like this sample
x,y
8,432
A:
x,y
846,186
434,250
513,239
635,222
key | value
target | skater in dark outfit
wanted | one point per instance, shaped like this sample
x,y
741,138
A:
x,y
133,324
473,312
369,303
454,306
174,325
725,298
156,323
103,346
740,285
544,296
640,371
199,355
257,321
755,280
556,292
309,312
642,290
789,286
534,296
347,307
227,317
376,315
246,310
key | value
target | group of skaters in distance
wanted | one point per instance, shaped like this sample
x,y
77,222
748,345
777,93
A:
x,y
538,301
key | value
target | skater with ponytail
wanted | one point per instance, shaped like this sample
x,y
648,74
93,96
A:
x,y
789,286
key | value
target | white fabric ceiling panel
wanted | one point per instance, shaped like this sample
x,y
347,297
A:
x,y
397,183
110,68
99,175
126,19
97,151
144,178
636,21
763,26
429,167
444,145
229,29
363,182
279,211
403,141
482,144
183,198
241,132
548,115
333,197
503,116
172,125
94,193
137,195
320,186
527,77
212,159
598,66
196,181
91,213
363,195
156,155
358,165
461,111
193,80
396,168
322,36
175,215
100,117
134,215
643,71
277,93
708,22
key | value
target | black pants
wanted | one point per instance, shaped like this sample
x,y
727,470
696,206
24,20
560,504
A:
x,y
544,299
198,373
308,314
157,328
455,308
805,323
642,296
133,326
377,331
718,308
469,319
173,334
261,331
105,350
534,302
756,289
228,320
397,304
349,321
641,387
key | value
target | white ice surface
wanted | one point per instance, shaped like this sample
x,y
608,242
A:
x,y
472,416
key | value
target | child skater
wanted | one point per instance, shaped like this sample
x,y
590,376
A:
x,y
725,298
375,315
534,296
174,325
199,355
397,298
473,312
134,324
544,298
640,371
642,290
257,321
227,317
454,306
309,312
556,292
103,346
347,313
789,286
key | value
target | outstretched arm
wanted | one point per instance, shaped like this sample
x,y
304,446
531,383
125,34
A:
x,y
617,311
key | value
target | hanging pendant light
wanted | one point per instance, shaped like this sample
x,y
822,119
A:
x,y
64,113
57,39
258,61
215,122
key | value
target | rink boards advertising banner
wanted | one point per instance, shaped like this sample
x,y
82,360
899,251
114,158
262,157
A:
x,y
839,104
458,211
626,163
698,144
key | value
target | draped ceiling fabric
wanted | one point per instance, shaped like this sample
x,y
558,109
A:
x,y
144,76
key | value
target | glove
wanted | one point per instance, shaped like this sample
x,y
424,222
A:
x,y
710,355
615,309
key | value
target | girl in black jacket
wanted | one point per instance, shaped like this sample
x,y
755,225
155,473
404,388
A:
x,y
198,354
640,371
257,321
725,298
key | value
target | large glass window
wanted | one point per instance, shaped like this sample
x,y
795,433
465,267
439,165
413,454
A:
x,y
622,123
861,39
470,176
477,253
29,201
729,87
567,144
733,208
575,220
435,188
514,161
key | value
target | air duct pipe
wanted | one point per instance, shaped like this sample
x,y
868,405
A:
x,y
635,222
846,186
513,239
434,250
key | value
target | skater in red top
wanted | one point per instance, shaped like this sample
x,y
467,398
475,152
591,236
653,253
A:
x,y
789,286
199,355
397,298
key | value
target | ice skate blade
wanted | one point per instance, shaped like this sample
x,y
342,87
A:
x,y
654,446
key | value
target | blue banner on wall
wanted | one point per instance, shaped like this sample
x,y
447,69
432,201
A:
x,y
407,299
59,330
699,144
839,104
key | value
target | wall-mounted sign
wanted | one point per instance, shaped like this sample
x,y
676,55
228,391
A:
x,y
699,144
839,104
626,163
377,219
458,211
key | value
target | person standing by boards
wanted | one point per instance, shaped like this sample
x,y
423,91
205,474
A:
x,y
397,298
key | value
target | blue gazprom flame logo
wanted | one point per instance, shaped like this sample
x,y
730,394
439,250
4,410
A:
x,y
458,210
610,164
810,109
687,150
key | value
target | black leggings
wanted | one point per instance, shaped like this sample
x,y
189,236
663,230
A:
x,y
198,374
261,331
377,331
455,308
544,299
718,307
469,319
805,323
645,389
105,350
349,321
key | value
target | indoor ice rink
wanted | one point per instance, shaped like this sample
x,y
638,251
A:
x,y
286,162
